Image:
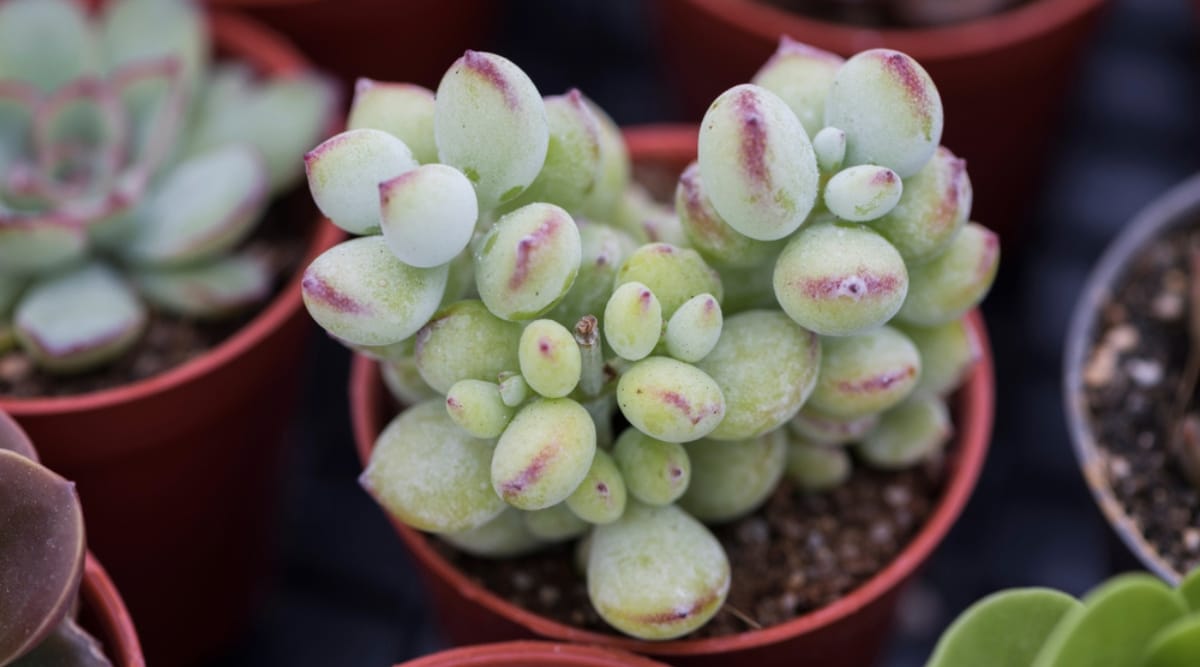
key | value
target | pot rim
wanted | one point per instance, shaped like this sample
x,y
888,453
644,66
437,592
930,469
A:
x,y
272,53
976,403
1178,206
120,638
532,654
1024,22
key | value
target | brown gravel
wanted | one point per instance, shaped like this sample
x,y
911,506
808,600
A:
x,y
798,553
170,341
1132,377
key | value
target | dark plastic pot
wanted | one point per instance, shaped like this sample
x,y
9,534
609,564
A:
x,y
1179,206
848,633
179,473
1002,78
531,654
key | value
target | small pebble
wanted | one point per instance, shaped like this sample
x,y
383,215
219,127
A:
x,y
1167,306
522,580
1100,367
1145,372
1118,466
1122,338
754,531
895,496
1191,539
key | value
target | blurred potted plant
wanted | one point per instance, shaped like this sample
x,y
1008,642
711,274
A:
x,y
610,380
1130,383
47,571
133,178
1133,619
531,654
980,63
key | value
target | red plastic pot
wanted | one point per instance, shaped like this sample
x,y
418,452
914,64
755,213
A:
x,y
178,473
379,39
104,614
531,654
847,633
1002,78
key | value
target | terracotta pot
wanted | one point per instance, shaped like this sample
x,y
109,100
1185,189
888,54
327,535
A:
x,y
178,473
104,614
1002,78
379,39
1179,206
849,632
531,654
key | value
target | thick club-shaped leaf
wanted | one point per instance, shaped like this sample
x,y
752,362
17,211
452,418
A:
x,y
359,292
603,250
430,474
44,42
695,328
464,341
646,219
830,147
801,76
544,454
79,319
946,287
814,467
601,496
573,156
934,207
655,472
865,374
210,290
757,163
864,192
490,123
914,430
731,479
627,570
476,406
345,171
708,232
817,427
670,400
428,214
1006,629
633,321
550,359
948,352
615,168
556,523
528,261
202,208
506,536
401,109
42,552
674,274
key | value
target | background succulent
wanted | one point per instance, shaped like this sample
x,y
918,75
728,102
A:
x,y
582,361
130,169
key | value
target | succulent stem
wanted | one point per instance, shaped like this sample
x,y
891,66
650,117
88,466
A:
x,y
587,334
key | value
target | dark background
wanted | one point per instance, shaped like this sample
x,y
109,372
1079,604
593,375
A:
x,y
346,594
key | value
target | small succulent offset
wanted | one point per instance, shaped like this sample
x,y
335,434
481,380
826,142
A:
x,y
43,554
582,362
1133,620
128,168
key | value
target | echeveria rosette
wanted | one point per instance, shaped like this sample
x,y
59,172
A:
x,y
735,339
130,174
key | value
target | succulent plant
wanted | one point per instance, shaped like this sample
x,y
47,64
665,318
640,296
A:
x,y
131,171
742,337
1133,620
43,554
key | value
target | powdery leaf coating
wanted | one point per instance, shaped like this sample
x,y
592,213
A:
x,y
460,284
556,523
946,287
656,573
544,454
674,274
476,406
646,219
549,358
865,374
840,280
708,232
655,472
34,243
694,329
934,207
79,319
615,168
428,214
670,400
731,479
345,171
818,428
1003,629
490,122
42,552
766,367
404,381
214,289
801,76
430,474
864,192
601,496
465,341
404,110
816,467
830,148
359,292
603,250
43,42
528,261
573,156
948,353
506,536
889,109
757,163
513,389
1114,625
748,289
633,321
907,434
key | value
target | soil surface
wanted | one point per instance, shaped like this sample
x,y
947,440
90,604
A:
x,y
282,237
1134,401
797,553
883,13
